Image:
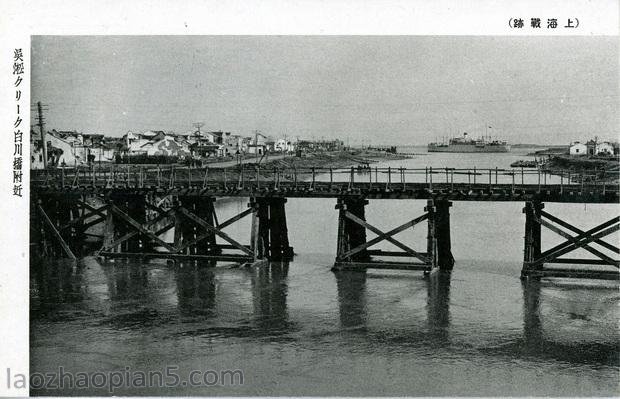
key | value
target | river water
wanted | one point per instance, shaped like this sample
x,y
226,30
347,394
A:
x,y
299,329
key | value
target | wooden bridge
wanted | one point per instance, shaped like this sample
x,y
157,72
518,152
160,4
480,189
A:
x,y
128,211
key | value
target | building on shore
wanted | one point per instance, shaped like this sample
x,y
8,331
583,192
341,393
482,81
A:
x,y
578,149
62,149
234,144
167,146
605,149
214,137
204,150
257,149
73,148
283,145
320,145
135,141
593,148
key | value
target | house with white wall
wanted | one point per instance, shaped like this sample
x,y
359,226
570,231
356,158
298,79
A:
x,y
604,148
578,149
61,152
167,145
282,145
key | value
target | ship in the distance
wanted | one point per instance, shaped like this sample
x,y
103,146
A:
x,y
465,144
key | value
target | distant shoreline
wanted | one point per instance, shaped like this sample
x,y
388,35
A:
x,y
335,159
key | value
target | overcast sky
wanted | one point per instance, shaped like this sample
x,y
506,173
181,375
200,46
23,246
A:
x,y
405,90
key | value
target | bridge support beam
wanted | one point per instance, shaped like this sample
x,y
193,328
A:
x,y
269,231
61,221
190,233
439,244
353,251
52,213
535,260
196,227
532,238
350,233
129,206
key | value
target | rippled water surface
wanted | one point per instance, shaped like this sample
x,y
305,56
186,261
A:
x,y
299,329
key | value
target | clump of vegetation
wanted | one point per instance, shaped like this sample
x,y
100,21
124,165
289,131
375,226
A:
x,y
602,169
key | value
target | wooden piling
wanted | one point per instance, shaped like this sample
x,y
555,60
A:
x,y
351,234
445,260
431,240
256,242
134,206
136,209
272,231
191,237
532,238
205,208
279,248
355,232
109,232
77,230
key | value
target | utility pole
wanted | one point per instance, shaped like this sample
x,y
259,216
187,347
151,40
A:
x,y
198,125
256,145
42,130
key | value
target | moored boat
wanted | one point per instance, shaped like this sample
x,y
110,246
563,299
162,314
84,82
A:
x,y
465,144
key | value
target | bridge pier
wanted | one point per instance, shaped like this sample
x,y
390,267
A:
x,y
50,217
439,243
70,223
60,224
535,260
350,233
532,238
126,211
128,233
190,233
353,251
269,230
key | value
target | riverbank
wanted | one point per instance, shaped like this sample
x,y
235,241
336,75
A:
x,y
550,151
339,159
601,169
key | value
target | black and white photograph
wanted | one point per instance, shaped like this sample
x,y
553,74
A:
x,y
320,215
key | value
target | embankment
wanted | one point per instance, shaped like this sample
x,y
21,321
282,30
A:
x,y
603,169
340,159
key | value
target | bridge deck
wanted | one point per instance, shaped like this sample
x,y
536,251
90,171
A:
x,y
385,183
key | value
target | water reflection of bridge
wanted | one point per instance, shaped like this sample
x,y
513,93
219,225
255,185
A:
x,y
130,222
128,293
208,303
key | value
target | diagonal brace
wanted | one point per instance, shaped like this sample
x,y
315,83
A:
x,y
134,233
578,244
387,236
569,237
216,231
578,231
96,211
580,236
220,226
62,242
139,227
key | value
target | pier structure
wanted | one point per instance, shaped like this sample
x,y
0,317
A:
x,y
128,204
535,259
353,247
128,231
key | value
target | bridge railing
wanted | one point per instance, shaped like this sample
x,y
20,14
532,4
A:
x,y
257,177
